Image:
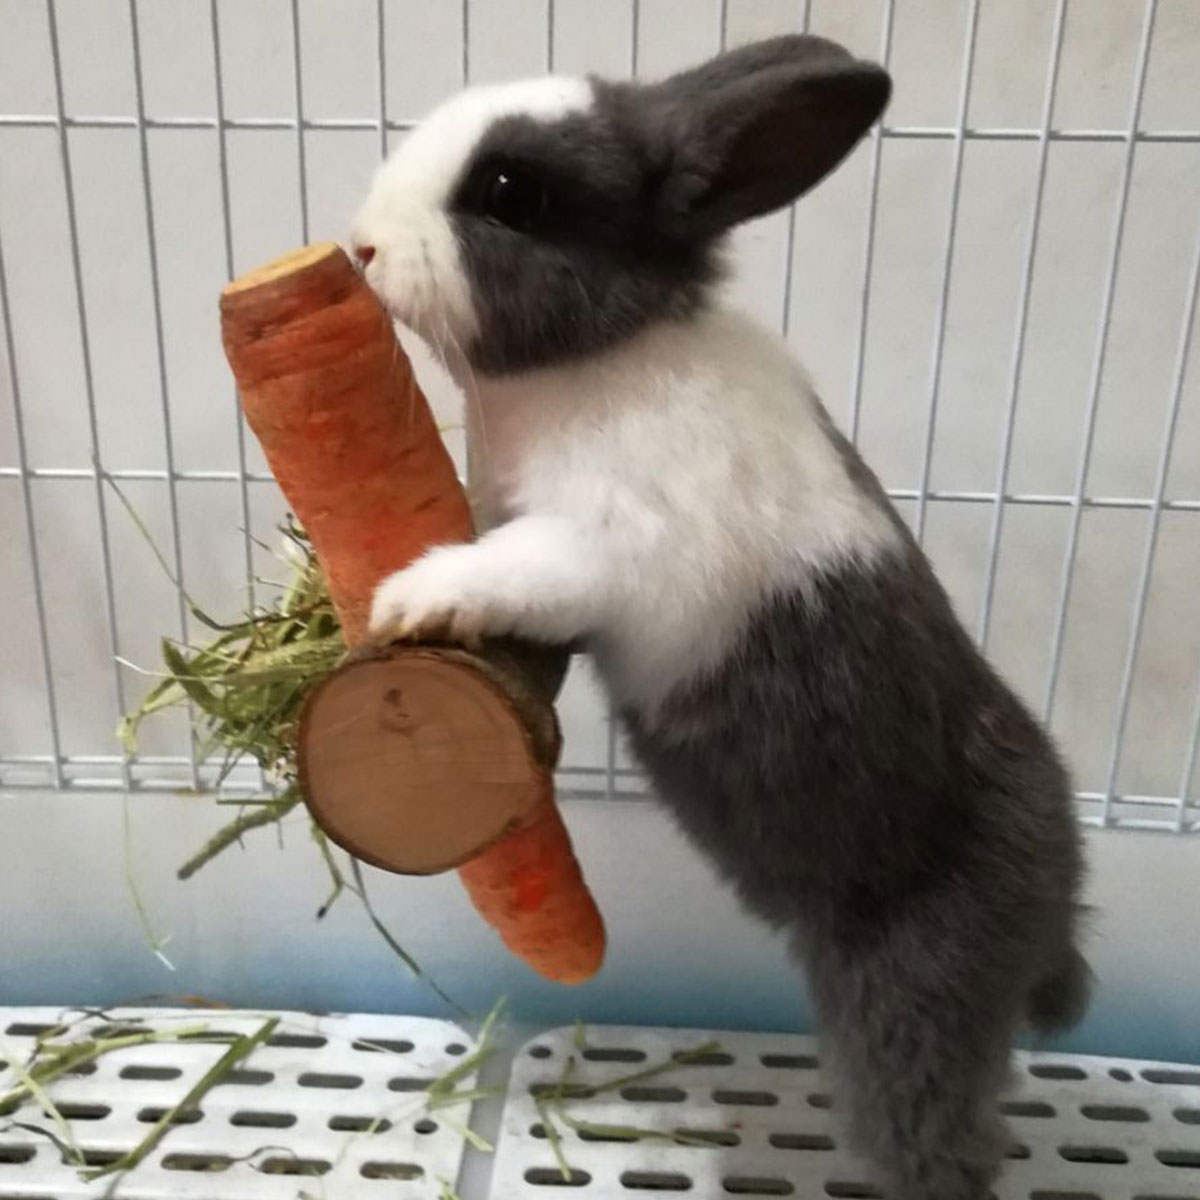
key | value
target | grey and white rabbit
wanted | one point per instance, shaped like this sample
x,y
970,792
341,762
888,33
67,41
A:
x,y
671,495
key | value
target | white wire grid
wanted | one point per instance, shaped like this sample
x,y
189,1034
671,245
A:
x,y
60,766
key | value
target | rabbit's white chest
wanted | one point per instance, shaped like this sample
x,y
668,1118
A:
x,y
696,476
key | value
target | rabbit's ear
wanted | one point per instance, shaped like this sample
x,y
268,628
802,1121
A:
x,y
753,129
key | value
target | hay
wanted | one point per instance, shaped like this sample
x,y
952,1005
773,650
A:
x,y
240,1048
244,689
552,1104
247,686
62,1051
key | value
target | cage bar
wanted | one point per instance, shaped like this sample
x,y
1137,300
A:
x,y
100,774
243,477
943,495
160,350
939,336
89,383
298,79
1097,375
381,67
864,312
611,735
1001,133
466,42
789,252
1189,770
1018,354
35,566
635,37
1170,426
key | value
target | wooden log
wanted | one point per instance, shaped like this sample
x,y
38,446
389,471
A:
x,y
417,758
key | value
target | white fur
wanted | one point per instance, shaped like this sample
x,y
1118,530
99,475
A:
x,y
652,498
417,269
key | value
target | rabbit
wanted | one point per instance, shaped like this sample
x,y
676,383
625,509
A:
x,y
669,494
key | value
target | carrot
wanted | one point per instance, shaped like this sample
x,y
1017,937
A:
x,y
422,758
348,436
530,890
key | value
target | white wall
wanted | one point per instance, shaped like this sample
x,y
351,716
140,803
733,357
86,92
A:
x,y
243,930
56,882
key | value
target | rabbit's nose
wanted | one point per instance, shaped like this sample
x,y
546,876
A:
x,y
364,254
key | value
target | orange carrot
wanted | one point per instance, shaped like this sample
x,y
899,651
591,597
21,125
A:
x,y
529,888
348,436
350,439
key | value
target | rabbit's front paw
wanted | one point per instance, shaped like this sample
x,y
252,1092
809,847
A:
x,y
436,599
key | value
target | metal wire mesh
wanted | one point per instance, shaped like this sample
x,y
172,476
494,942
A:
x,y
1121,787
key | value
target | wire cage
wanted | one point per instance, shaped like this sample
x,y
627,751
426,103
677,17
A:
x,y
997,296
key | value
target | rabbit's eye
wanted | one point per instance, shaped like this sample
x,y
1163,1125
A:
x,y
514,198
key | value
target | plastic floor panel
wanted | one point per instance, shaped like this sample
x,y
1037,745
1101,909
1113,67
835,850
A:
x,y
331,1106
755,1118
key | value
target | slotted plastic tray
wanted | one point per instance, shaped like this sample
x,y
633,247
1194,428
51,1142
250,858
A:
x,y
759,1121
331,1107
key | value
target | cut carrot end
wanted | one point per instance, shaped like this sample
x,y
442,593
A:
x,y
529,888
277,268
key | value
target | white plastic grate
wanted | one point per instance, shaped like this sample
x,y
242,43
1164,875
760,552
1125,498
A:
x,y
331,1107
759,1121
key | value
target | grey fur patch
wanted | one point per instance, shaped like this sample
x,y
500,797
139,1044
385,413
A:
x,y
642,188
867,783
596,271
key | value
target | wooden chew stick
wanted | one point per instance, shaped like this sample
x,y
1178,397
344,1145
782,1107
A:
x,y
420,758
